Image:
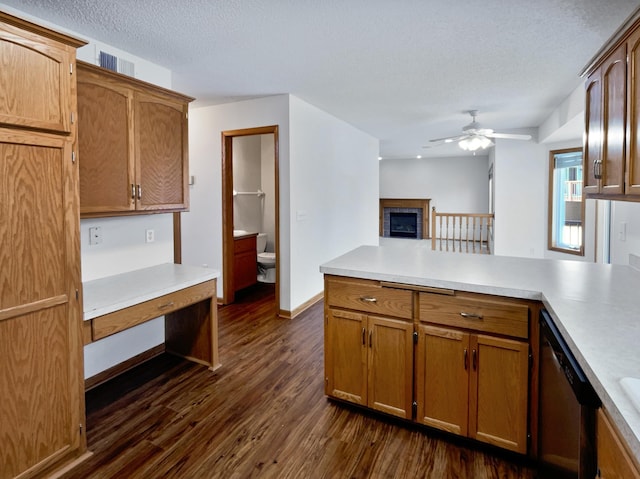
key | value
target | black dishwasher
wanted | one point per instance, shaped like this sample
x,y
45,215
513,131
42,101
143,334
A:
x,y
567,410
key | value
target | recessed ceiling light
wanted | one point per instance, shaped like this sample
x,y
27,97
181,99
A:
x,y
419,156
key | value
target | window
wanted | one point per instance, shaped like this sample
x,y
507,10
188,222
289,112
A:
x,y
566,208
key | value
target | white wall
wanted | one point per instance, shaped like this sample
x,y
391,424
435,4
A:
x,y
247,177
202,225
333,192
520,174
328,184
455,185
628,213
268,182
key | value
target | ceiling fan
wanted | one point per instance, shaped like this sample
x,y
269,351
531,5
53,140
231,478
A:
x,y
475,137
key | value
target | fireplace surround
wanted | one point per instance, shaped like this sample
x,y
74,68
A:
x,y
419,206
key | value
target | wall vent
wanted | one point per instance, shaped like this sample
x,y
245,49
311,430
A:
x,y
126,67
110,62
113,63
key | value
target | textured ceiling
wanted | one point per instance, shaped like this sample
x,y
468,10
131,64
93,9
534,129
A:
x,y
403,71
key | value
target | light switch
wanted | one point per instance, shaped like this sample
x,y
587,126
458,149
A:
x,y
622,232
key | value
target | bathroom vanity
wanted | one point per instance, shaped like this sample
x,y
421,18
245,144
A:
x,y
245,264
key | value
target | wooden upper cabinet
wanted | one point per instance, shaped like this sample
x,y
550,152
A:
x,y
133,145
593,133
605,126
104,146
614,111
612,122
161,152
633,106
35,82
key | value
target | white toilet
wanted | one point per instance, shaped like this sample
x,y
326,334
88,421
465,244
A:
x,y
266,261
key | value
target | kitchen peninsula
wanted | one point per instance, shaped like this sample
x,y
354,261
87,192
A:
x,y
595,306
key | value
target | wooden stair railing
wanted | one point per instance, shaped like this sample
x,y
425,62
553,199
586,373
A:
x,y
462,232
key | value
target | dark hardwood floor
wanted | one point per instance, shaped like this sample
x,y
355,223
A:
x,y
263,414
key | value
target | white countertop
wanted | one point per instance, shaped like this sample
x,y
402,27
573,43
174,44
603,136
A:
x,y
106,295
596,307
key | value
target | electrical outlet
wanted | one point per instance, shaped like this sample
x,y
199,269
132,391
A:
x,y
95,235
150,236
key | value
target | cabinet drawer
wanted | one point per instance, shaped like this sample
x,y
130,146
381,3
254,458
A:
x,y
370,297
488,315
245,244
117,321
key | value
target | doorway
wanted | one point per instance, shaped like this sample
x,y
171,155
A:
x,y
228,292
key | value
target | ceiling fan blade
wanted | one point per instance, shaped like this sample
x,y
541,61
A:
x,y
449,139
509,136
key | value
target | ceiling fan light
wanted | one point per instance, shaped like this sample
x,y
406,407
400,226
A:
x,y
475,142
485,142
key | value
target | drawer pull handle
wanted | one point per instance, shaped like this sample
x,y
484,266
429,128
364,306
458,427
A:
x,y
368,299
167,305
471,315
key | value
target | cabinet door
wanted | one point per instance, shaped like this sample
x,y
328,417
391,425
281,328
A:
x,y
390,365
498,392
614,111
245,262
614,462
593,132
41,385
632,186
442,379
105,146
346,356
161,153
35,81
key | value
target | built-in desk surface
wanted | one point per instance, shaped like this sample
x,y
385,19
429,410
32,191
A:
x,y
184,295
106,295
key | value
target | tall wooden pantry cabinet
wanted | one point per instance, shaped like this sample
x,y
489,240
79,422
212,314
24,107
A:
x,y
41,374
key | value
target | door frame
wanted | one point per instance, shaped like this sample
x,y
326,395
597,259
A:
x,y
228,294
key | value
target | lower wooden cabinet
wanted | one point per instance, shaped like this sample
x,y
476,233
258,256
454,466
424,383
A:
x,y
473,385
458,362
614,462
245,262
368,361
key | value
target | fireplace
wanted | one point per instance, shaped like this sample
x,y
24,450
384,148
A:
x,y
415,206
403,225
